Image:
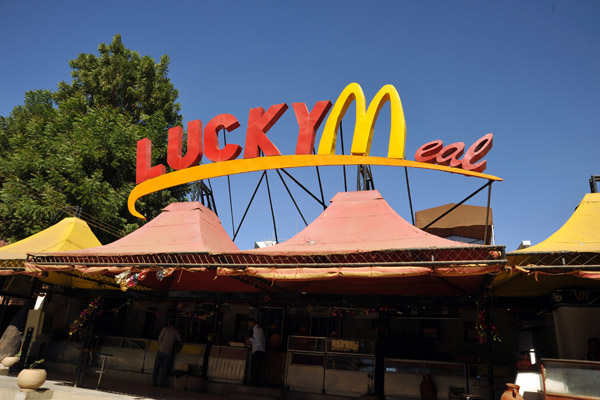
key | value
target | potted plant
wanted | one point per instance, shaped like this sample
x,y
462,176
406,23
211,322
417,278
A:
x,y
9,361
31,378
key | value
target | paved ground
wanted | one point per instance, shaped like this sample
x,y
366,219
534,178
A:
x,y
111,389
60,387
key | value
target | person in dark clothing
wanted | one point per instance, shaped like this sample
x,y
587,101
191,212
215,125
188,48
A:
x,y
164,356
593,350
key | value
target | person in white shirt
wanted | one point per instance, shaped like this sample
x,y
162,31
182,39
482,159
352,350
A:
x,y
257,342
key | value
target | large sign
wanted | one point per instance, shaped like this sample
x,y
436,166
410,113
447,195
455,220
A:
x,y
204,142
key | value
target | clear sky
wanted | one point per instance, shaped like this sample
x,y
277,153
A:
x,y
528,71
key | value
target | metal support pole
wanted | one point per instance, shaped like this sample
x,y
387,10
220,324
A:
x,y
249,204
490,359
344,167
229,187
322,202
412,214
487,214
321,188
291,196
271,204
457,205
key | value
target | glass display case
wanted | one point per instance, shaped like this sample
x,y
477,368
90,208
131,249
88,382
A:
x,y
307,343
329,365
403,378
570,379
357,346
305,363
227,364
350,367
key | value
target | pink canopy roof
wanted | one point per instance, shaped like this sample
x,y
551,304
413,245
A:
x,y
181,228
358,240
358,222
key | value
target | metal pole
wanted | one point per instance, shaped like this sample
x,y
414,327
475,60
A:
x,y
457,205
344,167
487,214
249,204
291,196
412,214
322,202
490,361
271,204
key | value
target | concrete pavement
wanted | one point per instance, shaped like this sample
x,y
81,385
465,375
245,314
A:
x,y
60,387
56,388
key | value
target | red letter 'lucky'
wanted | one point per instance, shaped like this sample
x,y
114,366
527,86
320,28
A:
x,y
258,125
143,168
211,140
194,146
309,124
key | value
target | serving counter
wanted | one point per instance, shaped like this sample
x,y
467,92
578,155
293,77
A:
x,y
131,355
331,366
305,365
350,367
227,364
570,379
403,378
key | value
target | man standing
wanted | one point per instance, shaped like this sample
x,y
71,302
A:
x,y
164,357
257,342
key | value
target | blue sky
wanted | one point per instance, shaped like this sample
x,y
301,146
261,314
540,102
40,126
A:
x,y
526,71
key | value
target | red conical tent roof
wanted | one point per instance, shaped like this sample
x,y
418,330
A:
x,y
181,228
359,242
183,234
358,222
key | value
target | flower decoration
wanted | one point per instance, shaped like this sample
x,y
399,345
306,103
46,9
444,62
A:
x,y
133,279
79,322
122,280
340,312
201,317
162,273
481,329
142,275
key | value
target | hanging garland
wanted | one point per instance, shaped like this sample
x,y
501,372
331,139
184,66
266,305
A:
x,y
481,329
87,312
127,279
79,322
162,273
196,316
83,317
201,317
341,312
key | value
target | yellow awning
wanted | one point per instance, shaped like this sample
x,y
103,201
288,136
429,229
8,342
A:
x,y
559,262
518,284
581,233
69,234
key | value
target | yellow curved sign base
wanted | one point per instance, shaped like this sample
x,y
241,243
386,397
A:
x,y
224,168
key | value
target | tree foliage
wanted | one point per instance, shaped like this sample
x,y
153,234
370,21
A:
x,y
76,147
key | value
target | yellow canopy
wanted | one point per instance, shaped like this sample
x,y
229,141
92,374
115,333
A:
x,y
559,262
518,284
69,234
581,233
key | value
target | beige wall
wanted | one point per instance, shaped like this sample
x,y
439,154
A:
x,y
573,326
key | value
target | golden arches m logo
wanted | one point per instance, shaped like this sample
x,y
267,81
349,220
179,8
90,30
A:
x,y
365,121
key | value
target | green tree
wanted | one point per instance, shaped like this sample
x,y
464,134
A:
x,y
76,147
